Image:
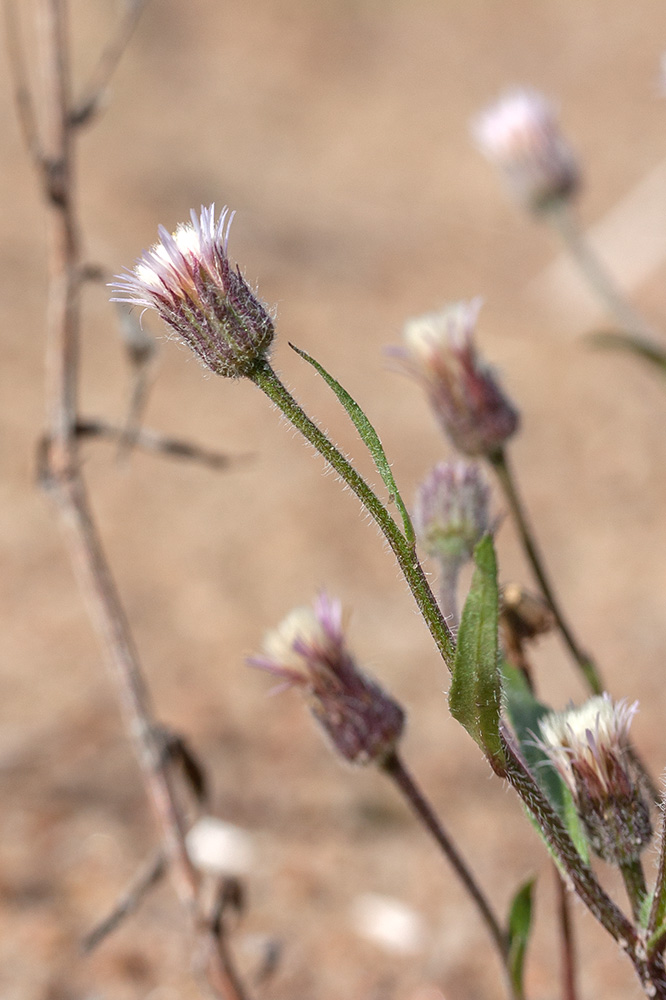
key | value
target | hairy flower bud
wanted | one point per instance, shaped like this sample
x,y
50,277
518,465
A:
x,y
520,134
588,746
451,511
188,280
463,391
309,649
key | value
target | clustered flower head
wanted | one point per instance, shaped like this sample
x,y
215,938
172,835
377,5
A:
x,y
520,134
188,280
308,649
463,391
451,511
588,745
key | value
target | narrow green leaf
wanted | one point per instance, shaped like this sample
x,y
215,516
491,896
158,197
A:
x,y
474,695
520,925
369,436
646,349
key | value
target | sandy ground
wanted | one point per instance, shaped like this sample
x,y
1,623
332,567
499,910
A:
x,y
339,134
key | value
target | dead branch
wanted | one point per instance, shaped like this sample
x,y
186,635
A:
x,y
89,105
63,474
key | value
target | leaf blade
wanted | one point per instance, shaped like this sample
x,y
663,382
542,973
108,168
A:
x,y
475,692
369,437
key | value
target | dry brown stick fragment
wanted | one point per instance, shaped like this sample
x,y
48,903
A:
x,y
62,465
89,104
22,96
148,876
153,441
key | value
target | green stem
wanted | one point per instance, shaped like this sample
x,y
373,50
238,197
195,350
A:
x,y
448,592
266,379
593,270
394,768
634,882
500,464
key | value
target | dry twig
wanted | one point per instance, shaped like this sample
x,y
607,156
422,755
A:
x,y
52,153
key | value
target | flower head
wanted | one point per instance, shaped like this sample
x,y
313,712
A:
x,y
451,511
588,746
188,280
463,391
308,649
520,134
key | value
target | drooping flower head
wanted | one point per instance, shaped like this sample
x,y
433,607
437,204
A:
x,y
589,747
463,390
520,135
308,649
451,511
188,280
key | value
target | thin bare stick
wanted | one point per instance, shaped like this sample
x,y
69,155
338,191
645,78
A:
x,y
93,94
147,877
22,95
161,444
61,455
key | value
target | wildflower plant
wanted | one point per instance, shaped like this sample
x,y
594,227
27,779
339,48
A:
x,y
581,758
583,785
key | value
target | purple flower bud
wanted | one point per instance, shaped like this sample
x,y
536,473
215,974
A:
x,y
463,391
588,746
308,649
451,511
520,134
188,280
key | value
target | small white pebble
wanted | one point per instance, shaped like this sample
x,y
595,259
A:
x,y
388,922
218,847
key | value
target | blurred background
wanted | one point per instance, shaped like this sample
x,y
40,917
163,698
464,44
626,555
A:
x,y
339,133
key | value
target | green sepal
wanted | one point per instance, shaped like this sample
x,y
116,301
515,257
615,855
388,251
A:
x,y
520,926
475,692
369,437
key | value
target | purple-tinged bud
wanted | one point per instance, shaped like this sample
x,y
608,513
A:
x,y
451,511
520,134
462,389
188,280
588,746
308,649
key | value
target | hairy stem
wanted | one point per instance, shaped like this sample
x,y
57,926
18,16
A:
x,y
266,379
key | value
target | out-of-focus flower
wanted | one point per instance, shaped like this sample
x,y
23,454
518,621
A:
x,y
588,746
463,391
219,847
308,649
390,923
188,280
520,134
451,511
